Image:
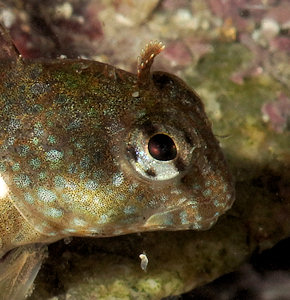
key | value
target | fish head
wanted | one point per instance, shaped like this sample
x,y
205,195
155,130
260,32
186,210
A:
x,y
97,151
175,172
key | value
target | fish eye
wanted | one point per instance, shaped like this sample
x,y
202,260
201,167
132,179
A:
x,y
158,150
162,147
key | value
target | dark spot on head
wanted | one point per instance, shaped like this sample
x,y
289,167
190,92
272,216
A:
x,y
60,99
35,72
35,109
188,139
161,80
97,156
149,128
186,180
132,152
9,85
150,172
140,197
179,164
183,179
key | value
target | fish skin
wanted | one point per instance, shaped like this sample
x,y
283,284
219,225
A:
x,y
74,152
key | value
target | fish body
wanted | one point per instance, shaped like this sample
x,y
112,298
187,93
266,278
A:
x,y
87,149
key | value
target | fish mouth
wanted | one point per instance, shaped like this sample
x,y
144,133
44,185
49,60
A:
x,y
179,219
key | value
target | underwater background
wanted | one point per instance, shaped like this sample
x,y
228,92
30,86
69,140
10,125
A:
x,y
236,55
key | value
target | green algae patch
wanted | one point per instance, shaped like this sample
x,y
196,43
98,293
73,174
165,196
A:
x,y
236,109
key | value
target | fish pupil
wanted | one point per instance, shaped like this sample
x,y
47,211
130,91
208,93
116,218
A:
x,y
162,147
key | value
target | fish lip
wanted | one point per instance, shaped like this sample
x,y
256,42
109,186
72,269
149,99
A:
x,y
172,219
167,219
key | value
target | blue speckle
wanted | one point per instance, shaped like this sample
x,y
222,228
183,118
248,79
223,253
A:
x,y
10,141
46,195
208,183
54,156
217,203
83,175
129,210
15,167
196,186
183,217
72,169
28,198
59,181
103,219
207,192
38,130
2,167
22,180
23,150
91,185
51,139
35,163
14,124
42,175
118,179
85,162
53,212
168,219
225,188
35,141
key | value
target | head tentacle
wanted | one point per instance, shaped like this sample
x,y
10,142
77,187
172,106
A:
x,y
145,61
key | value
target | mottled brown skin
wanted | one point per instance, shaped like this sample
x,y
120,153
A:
x,y
75,159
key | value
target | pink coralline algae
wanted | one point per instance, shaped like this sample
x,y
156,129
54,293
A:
x,y
172,5
277,113
280,44
178,54
263,27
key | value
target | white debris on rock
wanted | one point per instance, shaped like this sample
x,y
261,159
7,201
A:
x,y
144,261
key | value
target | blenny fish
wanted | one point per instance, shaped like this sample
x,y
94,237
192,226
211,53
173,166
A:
x,y
87,149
